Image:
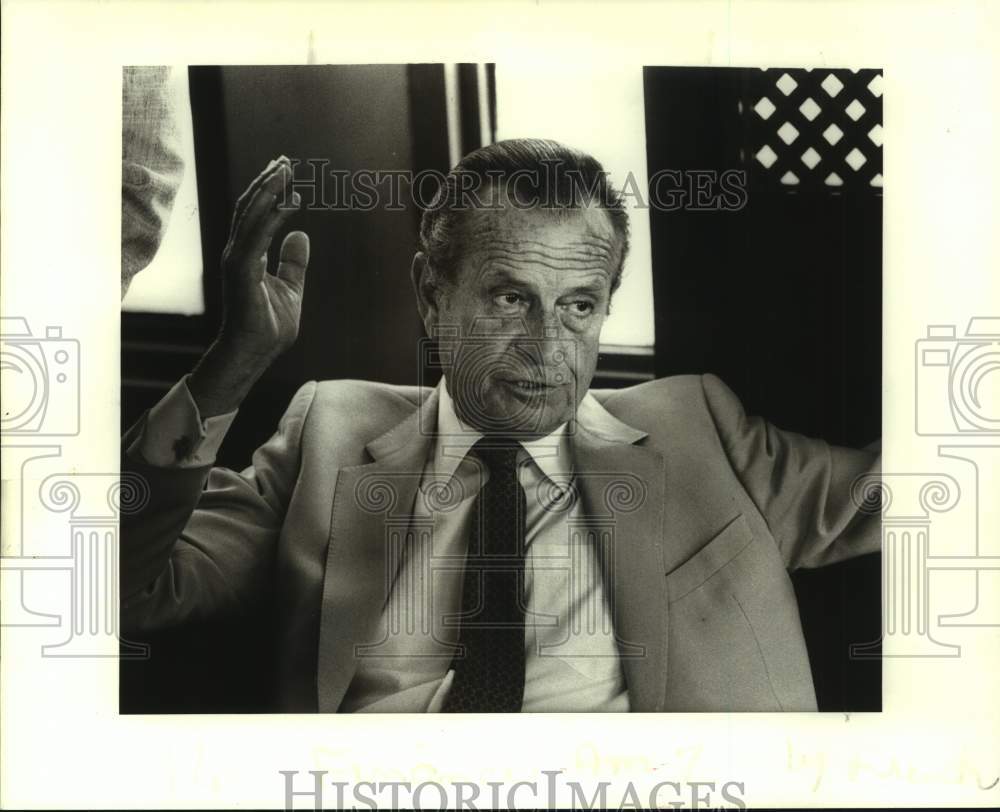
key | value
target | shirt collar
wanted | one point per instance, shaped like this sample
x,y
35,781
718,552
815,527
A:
x,y
454,439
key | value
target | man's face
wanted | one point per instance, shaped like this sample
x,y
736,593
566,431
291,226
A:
x,y
519,326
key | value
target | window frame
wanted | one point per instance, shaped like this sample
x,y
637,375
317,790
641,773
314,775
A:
x,y
151,342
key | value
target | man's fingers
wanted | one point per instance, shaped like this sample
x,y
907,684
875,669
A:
x,y
259,241
274,189
294,259
244,199
268,210
276,181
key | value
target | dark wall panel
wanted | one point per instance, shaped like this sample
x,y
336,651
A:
x,y
359,318
781,298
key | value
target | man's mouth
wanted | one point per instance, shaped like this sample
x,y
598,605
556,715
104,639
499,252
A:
x,y
528,385
529,388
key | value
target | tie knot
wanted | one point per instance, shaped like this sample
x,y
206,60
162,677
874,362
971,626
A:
x,y
499,454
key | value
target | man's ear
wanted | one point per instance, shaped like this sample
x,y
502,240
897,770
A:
x,y
427,289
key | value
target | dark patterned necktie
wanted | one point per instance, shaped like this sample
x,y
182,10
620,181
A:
x,y
489,662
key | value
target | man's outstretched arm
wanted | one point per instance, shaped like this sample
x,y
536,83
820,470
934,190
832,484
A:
x,y
203,542
803,487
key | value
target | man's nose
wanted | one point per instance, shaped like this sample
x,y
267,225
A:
x,y
553,342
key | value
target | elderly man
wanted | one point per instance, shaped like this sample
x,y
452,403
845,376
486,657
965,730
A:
x,y
509,540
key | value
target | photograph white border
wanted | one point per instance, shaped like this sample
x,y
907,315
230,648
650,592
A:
x,y
64,744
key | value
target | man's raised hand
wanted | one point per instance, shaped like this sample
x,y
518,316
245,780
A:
x,y
261,310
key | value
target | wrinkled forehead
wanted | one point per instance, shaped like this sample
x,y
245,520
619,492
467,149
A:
x,y
562,239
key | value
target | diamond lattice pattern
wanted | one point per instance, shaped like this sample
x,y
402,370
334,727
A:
x,y
816,128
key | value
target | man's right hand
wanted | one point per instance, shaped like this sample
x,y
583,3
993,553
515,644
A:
x,y
261,310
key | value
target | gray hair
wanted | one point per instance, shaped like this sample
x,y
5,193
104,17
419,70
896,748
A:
x,y
532,172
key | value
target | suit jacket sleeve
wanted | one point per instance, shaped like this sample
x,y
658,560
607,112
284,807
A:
x,y
803,487
203,543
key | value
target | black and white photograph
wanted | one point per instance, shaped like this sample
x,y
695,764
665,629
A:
x,y
499,405
380,331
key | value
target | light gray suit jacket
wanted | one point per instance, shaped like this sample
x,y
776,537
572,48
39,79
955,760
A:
x,y
700,511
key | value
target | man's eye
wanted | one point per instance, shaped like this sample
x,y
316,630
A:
x,y
507,299
581,308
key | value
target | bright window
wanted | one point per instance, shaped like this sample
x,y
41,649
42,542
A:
x,y
600,111
172,282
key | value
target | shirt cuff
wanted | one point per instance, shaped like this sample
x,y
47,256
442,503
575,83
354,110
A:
x,y
175,436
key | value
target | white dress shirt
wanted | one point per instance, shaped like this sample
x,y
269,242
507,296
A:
x,y
571,661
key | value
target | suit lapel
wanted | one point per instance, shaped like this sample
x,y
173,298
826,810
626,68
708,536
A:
x,y
622,488
372,505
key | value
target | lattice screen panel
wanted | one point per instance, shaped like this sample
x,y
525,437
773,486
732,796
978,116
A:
x,y
816,129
